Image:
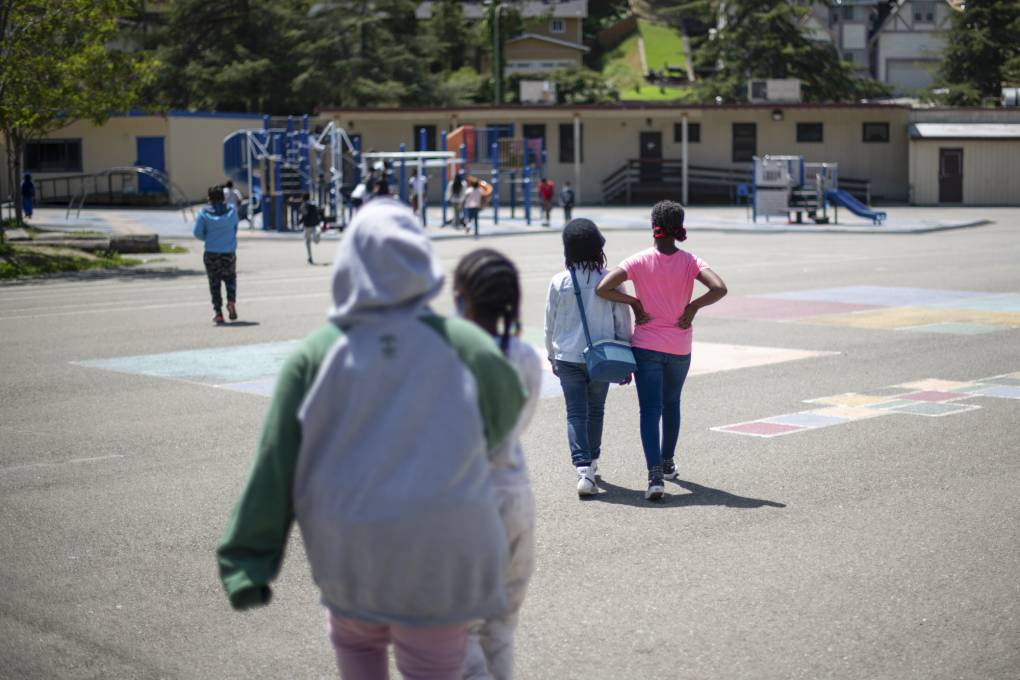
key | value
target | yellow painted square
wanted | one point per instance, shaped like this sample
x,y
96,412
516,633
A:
x,y
851,412
850,399
933,384
902,317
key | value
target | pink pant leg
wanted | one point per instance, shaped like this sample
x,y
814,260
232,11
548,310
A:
x,y
361,648
430,653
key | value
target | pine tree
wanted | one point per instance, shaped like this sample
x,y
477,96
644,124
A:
x,y
982,51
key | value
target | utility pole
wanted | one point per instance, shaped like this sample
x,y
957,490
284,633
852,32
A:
x,y
497,48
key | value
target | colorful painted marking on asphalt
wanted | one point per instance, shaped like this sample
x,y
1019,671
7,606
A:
x,y
918,310
252,369
932,398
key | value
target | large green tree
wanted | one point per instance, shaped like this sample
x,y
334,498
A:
x,y
230,55
57,65
982,51
765,39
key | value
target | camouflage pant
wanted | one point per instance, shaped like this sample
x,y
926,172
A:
x,y
221,267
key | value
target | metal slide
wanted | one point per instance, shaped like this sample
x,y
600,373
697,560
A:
x,y
845,199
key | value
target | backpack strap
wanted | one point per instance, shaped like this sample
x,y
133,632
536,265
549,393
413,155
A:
x,y
580,305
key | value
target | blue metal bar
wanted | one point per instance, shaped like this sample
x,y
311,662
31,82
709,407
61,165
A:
x,y
403,174
306,158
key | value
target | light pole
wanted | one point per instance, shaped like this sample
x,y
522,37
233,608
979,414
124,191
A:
x,y
497,48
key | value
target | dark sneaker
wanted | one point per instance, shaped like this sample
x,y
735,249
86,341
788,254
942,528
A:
x,y
218,318
656,487
669,468
232,311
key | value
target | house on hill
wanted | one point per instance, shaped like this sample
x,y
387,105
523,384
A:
x,y
553,36
907,46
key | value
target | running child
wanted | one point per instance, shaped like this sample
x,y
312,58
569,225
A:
x,y
487,291
663,277
378,442
565,344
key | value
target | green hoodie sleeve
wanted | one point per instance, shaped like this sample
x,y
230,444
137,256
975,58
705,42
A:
x,y
500,394
252,548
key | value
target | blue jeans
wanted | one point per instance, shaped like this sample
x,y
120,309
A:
x,y
586,407
660,379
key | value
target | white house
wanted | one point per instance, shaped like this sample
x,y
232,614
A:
x,y
908,44
846,26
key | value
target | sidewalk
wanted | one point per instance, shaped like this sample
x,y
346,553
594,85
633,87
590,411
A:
x,y
174,224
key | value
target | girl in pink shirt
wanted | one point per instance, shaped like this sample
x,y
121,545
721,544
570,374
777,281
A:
x,y
663,278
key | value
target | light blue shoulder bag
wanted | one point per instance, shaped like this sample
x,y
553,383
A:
x,y
607,360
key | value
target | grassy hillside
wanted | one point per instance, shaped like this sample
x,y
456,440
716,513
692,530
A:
x,y
663,46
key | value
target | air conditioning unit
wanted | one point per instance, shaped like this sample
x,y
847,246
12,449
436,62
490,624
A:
x,y
774,90
538,92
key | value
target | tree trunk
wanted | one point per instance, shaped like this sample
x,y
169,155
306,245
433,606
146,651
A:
x,y
16,146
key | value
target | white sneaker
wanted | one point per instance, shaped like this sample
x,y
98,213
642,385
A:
x,y
586,482
594,469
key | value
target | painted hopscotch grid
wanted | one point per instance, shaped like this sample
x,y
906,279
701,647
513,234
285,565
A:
x,y
915,310
932,398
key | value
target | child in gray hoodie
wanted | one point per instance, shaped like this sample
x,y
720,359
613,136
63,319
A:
x,y
378,442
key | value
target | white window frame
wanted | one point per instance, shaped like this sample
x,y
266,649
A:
x,y
557,26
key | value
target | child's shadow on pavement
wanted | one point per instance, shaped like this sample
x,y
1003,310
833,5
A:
x,y
699,495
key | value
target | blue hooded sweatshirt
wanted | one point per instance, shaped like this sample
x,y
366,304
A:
x,y
216,224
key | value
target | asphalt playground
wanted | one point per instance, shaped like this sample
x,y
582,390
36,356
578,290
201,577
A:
x,y
849,465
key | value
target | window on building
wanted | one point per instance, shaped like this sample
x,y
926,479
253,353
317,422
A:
x,y
693,132
430,137
875,133
809,132
924,12
745,142
567,143
557,26
53,155
848,13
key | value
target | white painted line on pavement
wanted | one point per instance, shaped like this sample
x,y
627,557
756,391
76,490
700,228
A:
x,y
192,303
71,461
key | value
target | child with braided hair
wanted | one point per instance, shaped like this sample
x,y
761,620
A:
x,y
487,291
663,279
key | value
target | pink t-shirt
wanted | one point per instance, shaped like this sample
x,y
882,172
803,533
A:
x,y
664,284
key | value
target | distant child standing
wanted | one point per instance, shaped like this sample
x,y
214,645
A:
x,y
216,224
378,442
473,203
27,195
546,191
663,277
311,218
567,200
455,191
487,291
565,343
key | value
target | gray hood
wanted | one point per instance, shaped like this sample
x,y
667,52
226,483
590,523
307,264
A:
x,y
384,266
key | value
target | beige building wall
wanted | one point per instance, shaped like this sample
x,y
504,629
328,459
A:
x,y
192,147
611,137
991,171
195,151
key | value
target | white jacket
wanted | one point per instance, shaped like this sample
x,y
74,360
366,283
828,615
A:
x,y
564,334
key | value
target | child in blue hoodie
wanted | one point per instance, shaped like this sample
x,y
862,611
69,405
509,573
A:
x,y
216,224
379,443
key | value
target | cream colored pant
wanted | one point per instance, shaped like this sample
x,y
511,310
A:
x,y
490,647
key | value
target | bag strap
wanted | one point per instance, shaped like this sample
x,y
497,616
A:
x,y
580,304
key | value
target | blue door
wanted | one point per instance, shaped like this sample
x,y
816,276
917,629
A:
x,y
151,155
